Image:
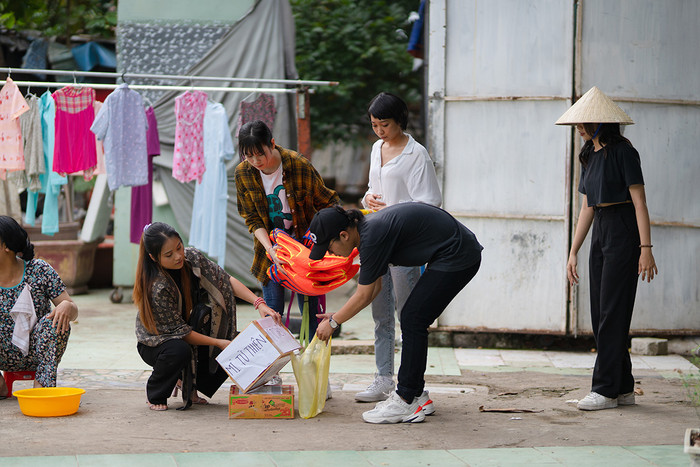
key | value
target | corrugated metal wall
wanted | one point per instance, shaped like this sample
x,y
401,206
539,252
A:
x,y
500,73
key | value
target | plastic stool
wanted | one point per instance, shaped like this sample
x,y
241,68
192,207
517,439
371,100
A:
x,y
12,376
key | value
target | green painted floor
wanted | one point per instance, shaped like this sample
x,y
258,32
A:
x,y
632,456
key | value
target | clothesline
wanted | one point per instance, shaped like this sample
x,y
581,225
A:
x,y
106,74
152,87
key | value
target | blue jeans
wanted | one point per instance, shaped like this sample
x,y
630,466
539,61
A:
x,y
273,293
397,284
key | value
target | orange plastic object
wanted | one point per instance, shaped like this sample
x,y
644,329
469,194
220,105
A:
x,y
305,276
49,402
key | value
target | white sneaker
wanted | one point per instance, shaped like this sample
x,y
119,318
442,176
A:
x,y
395,410
379,390
426,403
595,401
626,399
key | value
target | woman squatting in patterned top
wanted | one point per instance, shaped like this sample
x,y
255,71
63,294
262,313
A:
x,y
187,315
26,282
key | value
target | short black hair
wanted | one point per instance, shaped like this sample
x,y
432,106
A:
x,y
252,137
386,105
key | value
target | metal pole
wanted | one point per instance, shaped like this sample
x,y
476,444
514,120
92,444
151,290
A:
x,y
190,78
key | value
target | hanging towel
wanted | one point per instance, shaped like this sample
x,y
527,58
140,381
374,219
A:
x,y
25,319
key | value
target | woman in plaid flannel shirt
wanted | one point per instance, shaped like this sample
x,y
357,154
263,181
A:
x,y
277,188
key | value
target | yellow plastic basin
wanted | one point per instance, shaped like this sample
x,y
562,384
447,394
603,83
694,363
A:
x,y
49,402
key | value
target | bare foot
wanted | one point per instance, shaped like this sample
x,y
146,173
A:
x,y
198,400
157,407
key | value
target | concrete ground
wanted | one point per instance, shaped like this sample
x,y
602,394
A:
x,y
538,390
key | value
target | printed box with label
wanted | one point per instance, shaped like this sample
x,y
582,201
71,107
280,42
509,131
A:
x,y
258,353
269,401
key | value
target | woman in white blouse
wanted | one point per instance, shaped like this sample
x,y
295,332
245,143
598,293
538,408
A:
x,y
400,171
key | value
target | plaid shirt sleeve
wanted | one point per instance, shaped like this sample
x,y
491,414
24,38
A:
x,y
306,191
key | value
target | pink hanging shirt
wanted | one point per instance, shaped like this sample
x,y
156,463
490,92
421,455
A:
x,y
12,105
188,157
74,147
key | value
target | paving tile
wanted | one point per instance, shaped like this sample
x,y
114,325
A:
x,y
638,363
560,371
412,458
126,460
39,461
504,457
239,459
529,358
442,361
661,455
318,458
492,369
478,358
571,359
585,456
668,362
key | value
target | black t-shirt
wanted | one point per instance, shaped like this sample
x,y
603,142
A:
x,y
610,173
413,234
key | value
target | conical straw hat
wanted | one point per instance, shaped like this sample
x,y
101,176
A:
x,y
594,107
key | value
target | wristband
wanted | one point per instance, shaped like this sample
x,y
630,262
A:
x,y
259,301
645,246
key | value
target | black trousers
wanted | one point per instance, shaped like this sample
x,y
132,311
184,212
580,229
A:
x,y
428,299
168,360
614,263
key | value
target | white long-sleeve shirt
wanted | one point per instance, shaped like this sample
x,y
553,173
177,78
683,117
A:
x,y
408,177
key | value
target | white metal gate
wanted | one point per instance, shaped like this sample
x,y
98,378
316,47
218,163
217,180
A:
x,y
500,73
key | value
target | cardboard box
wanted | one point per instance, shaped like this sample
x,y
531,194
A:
x,y
270,401
258,353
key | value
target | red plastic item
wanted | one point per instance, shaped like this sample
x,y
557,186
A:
x,y
12,376
306,276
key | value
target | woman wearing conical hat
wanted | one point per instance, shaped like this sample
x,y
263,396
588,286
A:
x,y
614,204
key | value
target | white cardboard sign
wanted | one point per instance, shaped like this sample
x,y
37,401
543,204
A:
x,y
262,346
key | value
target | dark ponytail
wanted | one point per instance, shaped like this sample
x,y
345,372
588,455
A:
x,y
608,134
15,238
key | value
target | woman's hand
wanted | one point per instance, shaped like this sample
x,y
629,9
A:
x,y
374,202
222,343
571,269
265,310
647,265
273,256
61,316
324,330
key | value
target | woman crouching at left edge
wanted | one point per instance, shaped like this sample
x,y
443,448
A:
x,y
187,315
33,337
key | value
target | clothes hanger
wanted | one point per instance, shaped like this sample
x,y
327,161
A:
x,y
246,97
147,101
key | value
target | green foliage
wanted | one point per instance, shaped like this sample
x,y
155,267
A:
x,y
362,44
60,18
691,382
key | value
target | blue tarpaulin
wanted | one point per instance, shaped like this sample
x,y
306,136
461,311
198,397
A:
x,y
91,54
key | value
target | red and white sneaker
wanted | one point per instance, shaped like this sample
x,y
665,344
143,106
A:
x,y
426,403
395,410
